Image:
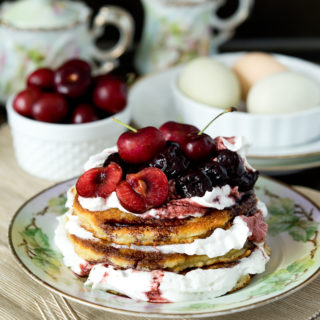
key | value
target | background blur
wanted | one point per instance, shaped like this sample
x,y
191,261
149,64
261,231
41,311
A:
x,y
283,26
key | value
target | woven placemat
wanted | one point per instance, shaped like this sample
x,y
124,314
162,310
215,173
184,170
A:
x,y
18,292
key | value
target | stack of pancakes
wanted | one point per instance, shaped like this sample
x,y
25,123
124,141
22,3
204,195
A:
x,y
124,240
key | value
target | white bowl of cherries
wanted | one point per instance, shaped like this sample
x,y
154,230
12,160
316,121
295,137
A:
x,y
64,116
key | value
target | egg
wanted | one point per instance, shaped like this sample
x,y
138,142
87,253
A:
x,y
254,66
210,82
283,92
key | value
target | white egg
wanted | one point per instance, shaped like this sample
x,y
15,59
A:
x,y
283,92
210,82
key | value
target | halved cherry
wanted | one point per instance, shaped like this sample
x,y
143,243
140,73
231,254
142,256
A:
x,y
130,199
99,182
143,190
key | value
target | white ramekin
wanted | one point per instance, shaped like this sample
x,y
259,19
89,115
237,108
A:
x,y
269,130
59,151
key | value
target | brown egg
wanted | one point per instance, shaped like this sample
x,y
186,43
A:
x,y
254,66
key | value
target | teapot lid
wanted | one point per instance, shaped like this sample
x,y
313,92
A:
x,y
42,14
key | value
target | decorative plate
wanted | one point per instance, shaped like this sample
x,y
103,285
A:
x,y
293,237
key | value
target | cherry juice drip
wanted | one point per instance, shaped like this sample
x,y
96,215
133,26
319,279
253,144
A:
x,y
85,269
155,295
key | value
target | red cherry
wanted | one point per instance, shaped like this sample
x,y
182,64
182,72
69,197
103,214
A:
x,y
198,147
140,146
24,101
50,107
41,79
110,94
175,131
99,182
73,78
129,199
83,113
143,190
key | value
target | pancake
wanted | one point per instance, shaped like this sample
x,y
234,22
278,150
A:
x,y
103,252
124,228
196,241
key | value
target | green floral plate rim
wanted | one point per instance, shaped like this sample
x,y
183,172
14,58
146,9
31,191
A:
x,y
294,228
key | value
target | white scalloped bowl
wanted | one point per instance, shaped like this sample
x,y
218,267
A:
x,y
269,130
59,151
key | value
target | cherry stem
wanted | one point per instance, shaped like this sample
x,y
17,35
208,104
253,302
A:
x,y
125,125
231,109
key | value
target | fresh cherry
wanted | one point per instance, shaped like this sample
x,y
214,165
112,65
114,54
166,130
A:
x,y
99,182
110,94
73,78
143,190
83,113
50,107
24,101
138,146
198,146
175,131
42,79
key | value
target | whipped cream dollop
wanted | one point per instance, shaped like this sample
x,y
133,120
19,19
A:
x,y
173,287
98,159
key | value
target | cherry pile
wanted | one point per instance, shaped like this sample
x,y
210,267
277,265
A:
x,y
70,94
154,165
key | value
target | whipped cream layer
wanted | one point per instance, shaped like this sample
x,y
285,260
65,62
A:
x,y
70,258
163,286
218,198
217,244
158,285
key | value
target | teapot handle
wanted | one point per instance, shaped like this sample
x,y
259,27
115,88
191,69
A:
x,y
121,19
226,26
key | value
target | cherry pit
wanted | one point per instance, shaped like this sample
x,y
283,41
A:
x,y
71,94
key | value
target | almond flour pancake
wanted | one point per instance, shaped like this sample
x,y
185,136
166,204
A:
x,y
125,228
100,251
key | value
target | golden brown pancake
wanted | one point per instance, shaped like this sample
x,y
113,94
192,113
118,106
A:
x,y
99,251
124,228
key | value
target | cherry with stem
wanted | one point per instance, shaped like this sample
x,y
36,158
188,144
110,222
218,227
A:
x,y
139,145
199,146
